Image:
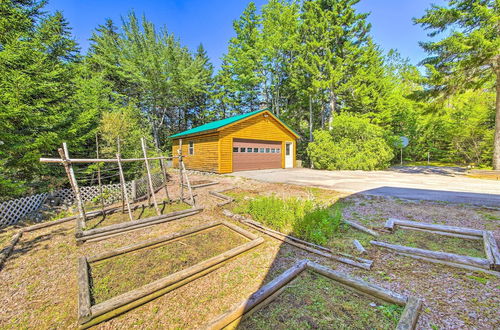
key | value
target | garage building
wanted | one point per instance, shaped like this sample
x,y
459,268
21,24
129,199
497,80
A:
x,y
251,141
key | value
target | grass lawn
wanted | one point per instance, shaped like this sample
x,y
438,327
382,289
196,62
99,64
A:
x,y
117,275
313,301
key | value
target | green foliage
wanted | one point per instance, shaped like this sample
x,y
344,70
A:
x,y
467,58
37,61
300,217
353,143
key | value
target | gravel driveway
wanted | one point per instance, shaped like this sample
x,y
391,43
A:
x,y
422,183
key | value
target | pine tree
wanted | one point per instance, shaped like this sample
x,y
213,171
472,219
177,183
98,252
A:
x,y
241,63
469,56
37,63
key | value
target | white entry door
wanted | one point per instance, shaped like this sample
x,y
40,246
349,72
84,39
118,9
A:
x,y
288,154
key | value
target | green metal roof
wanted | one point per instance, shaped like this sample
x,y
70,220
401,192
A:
x,y
220,123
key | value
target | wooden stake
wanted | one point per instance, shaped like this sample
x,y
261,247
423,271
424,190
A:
x,y
179,151
118,148
193,203
74,184
124,192
99,172
150,180
165,177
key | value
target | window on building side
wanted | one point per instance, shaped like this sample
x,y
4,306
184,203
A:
x,y
191,148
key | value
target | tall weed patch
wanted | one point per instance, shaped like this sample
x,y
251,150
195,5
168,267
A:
x,y
302,218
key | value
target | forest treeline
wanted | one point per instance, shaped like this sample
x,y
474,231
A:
x,y
313,63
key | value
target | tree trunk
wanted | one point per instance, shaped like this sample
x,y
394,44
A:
x,y
310,120
333,108
496,142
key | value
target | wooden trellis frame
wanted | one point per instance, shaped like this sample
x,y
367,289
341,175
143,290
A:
x,y
270,291
112,230
89,314
480,264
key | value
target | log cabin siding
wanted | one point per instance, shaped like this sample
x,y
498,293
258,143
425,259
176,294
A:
x,y
206,152
257,127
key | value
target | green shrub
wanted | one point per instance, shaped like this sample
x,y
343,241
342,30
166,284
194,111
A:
x,y
302,218
353,143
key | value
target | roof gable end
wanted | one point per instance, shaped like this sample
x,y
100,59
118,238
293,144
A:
x,y
223,123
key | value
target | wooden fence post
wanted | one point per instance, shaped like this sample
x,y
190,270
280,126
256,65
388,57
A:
x,y
74,184
99,172
181,183
124,191
118,148
150,181
188,184
164,173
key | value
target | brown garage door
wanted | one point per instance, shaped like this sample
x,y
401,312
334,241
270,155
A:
x,y
256,154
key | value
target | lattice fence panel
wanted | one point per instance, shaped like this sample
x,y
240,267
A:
x,y
13,210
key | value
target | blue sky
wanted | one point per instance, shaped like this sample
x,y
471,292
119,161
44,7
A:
x,y
210,21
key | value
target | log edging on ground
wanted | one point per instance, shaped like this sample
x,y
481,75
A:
x,y
490,245
219,194
126,226
201,185
89,315
89,215
361,228
450,259
5,253
304,245
271,290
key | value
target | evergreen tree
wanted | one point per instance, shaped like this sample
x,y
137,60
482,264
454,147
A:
x,y
242,62
469,57
37,64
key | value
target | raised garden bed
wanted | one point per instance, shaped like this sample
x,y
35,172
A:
x,y
250,312
201,183
115,223
477,249
116,281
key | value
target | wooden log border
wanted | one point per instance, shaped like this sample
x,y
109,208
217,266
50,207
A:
x,y
123,227
90,215
361,228
89,315
219,194
201,185
301,244
5,253
271,290
490,245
